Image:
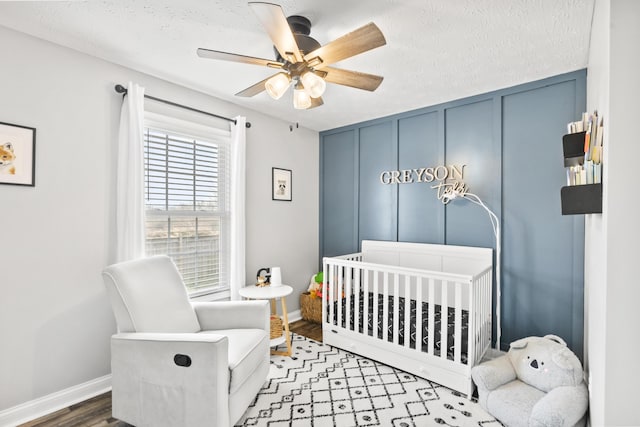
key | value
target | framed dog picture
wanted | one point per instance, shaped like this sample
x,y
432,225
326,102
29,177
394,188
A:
x,y
17,155
281,184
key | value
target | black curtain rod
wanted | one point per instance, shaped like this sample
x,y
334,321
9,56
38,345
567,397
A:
x,y
123,90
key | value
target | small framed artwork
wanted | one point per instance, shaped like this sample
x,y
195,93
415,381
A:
x,y
17,155
281,184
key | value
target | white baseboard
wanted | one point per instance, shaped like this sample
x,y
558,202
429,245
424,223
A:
x,y
294,316
42,406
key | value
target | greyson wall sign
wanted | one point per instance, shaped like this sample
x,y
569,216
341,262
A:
x,y
449,179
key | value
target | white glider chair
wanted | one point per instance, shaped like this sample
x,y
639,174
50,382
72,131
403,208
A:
x,y
179,363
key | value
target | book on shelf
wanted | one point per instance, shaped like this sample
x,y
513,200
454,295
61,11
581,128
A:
x,y
584,164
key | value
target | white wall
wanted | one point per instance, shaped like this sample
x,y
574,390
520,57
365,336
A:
x,y
612,238
595,294
283,234
623,227
55,239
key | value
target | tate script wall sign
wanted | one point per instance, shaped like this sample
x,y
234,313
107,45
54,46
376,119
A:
x,y
449,180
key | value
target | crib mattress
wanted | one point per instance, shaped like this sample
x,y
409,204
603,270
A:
x,y
438,344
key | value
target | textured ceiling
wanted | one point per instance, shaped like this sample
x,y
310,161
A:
x,y
437,50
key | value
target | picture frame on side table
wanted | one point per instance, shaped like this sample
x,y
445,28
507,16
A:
x,y
281,184
17,155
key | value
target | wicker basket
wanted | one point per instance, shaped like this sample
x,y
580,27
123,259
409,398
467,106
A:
x,y
310,308
276,327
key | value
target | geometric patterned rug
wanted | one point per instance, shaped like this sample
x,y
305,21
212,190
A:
x,y
320,385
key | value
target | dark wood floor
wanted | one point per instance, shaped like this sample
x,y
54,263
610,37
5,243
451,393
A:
x,y
96,412
308,329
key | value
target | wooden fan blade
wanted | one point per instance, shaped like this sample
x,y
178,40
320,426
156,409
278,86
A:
x,y
224,56
361,40
274,21
253,90
354,79
315,102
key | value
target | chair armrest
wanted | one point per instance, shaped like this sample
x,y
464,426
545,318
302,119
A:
x,y
562,406
493,373
145,349
145,364
233,315
168,337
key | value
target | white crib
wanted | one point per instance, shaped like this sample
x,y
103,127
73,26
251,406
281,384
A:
x,y
368,296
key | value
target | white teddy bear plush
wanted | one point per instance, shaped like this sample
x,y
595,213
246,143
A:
x,y
539,382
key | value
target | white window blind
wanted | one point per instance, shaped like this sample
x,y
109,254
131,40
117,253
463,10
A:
x,y
187,201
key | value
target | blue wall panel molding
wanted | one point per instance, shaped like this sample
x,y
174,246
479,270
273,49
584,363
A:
x,y
420,215
510,141
338,214
470,140
377,203
539,244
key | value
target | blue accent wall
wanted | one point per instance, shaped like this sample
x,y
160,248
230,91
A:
x,y
339,212
420,215
511,142
377,152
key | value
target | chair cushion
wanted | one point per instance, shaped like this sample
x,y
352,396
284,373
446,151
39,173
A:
x,y
148,295
247,349
513,402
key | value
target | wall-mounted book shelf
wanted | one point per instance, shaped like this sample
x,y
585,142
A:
x,y
585,198
581,199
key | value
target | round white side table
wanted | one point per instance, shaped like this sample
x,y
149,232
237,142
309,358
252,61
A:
x,y
273,293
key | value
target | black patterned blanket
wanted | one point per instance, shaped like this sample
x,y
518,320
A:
x,y
449,344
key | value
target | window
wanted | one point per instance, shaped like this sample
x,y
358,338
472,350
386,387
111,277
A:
x,y
186,200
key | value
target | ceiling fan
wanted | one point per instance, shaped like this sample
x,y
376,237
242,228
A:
x,y
302,61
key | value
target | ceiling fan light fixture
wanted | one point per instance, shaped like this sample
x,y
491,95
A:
x,y
277,85
301,99
301,60
313,84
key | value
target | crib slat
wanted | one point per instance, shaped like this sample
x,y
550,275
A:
x,y
376,276
385,306
474,334
487,308
457,335
356,302
365,296
486,323
327,307
330,287
407,311
482,311
486,316
396,308
347,290
431,337
419,284
338,297
444,320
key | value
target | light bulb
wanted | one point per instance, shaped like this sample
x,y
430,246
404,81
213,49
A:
x,y
277,85
313,84
301,99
